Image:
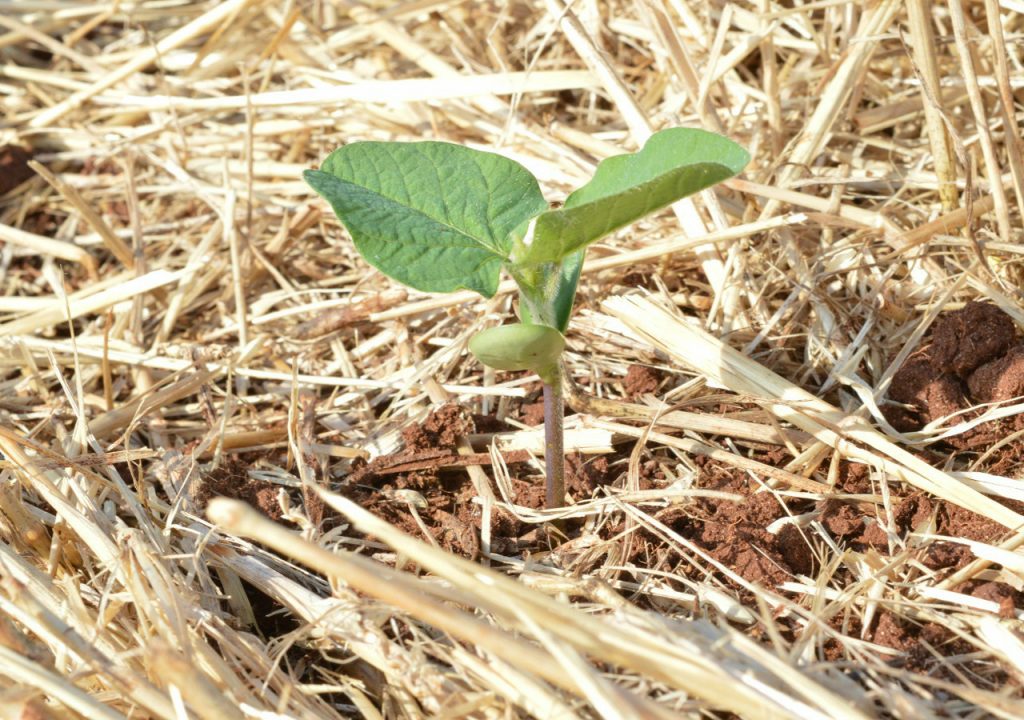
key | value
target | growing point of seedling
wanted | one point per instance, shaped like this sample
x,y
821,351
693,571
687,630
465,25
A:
x,y
411,221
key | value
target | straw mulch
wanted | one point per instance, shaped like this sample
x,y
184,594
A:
x,y
796,458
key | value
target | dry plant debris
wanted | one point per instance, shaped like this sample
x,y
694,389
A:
x,y
797,451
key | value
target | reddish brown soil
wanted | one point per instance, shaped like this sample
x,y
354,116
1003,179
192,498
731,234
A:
x,y
14,169
427,476
425,490
733,533
1001,594
861,530
449,514
973,356
231,479
532,413
999,380
920,643
530,410
641,380
441,429
584,475
970,337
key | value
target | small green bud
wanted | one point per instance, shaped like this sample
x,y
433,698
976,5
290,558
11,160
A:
x,y
519,347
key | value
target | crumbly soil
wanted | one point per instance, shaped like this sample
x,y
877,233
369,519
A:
x,y
424,487
230,478
14,169
442,495
972,355
641,380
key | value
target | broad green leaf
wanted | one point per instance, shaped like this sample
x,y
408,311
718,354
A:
x,y
435,216
672,164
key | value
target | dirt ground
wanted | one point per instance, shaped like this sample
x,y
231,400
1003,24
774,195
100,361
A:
x,y
970,356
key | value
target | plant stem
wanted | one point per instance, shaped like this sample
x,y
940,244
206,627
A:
x,y
554,443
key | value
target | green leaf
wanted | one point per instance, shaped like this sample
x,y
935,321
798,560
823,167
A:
x,y
435,216
672,164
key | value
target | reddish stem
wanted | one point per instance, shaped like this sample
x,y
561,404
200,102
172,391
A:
x,y
554,444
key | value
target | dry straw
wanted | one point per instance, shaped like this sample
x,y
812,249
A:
x,y
180,318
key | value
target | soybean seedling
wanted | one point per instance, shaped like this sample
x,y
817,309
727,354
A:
x,y
441,217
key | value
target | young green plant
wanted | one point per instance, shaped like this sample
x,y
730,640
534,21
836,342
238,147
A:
x,y
441,217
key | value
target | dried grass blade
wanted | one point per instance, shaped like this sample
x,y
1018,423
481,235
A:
x,y
400,590
207,21
87,304
685,664
48,246
29,674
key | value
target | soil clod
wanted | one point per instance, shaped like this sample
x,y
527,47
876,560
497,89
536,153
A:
x,y
972,336
973,357
14,169
231,479
641,380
